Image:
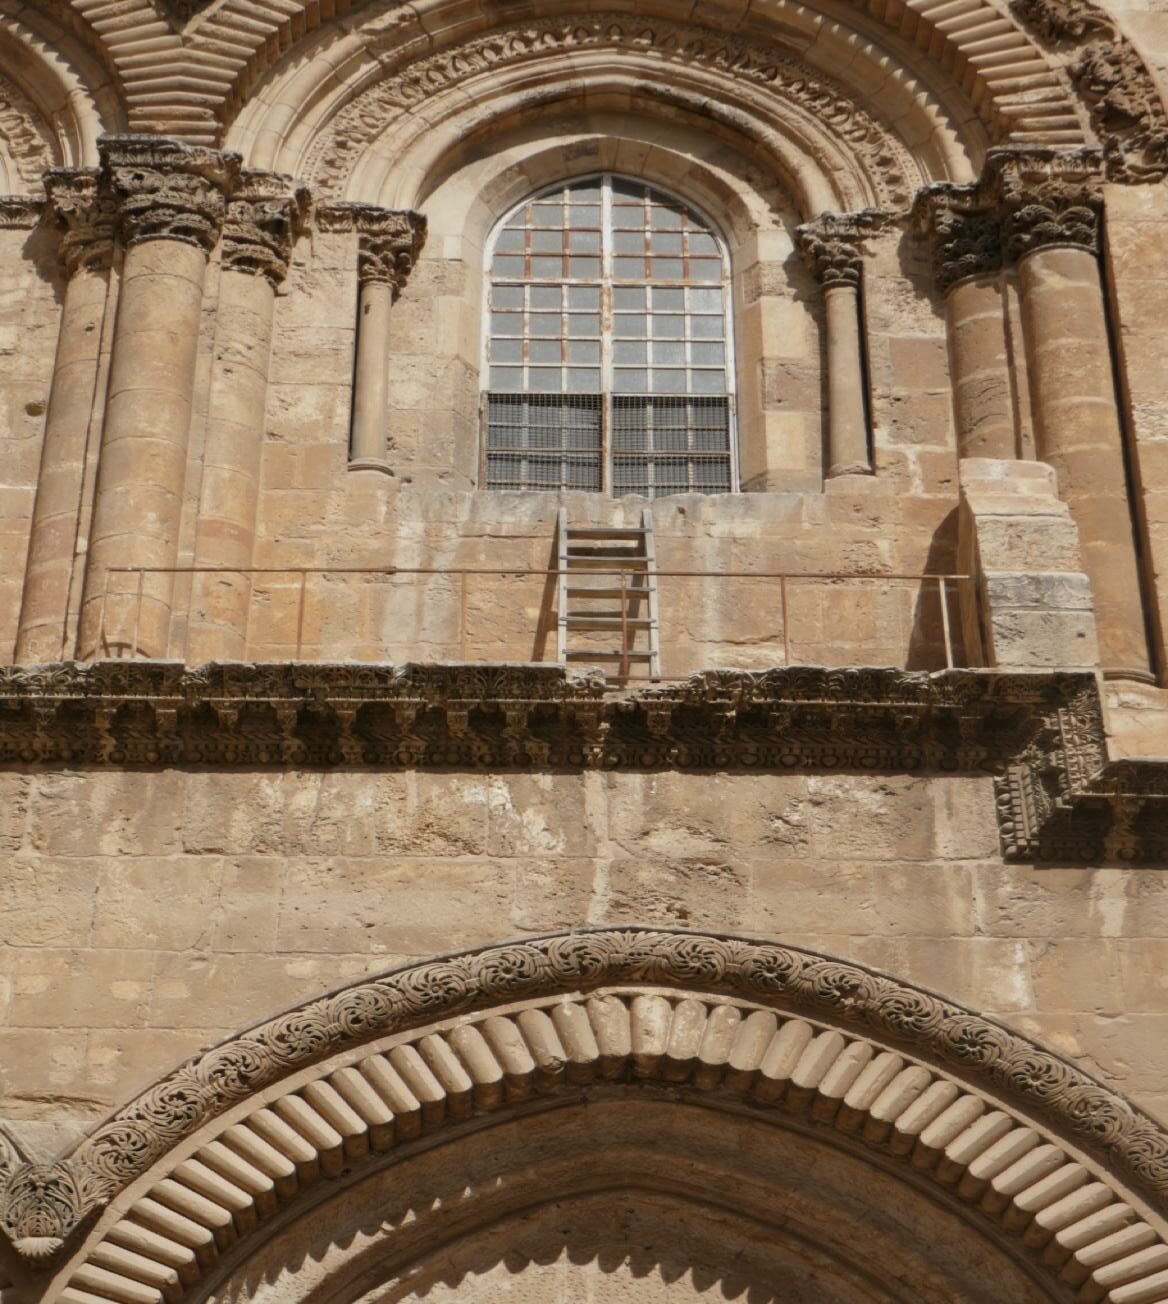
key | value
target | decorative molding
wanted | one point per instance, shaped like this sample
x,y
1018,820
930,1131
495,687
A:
x,y
1041,734
20,212
1127,110
832,244
965,238
889,165
166,189
560,1037
87,216
389,241
25,134
263,219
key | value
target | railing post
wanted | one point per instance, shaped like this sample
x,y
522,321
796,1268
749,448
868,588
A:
x,y
300,616
943,593
786,629
138,615
624,661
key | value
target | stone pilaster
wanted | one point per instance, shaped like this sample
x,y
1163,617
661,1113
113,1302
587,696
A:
x,y
171,201
832,246
86,213
263,219
388,244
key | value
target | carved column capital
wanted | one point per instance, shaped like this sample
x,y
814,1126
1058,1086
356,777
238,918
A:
x,y
833,244
20,212
964,233
166,189
87,215
1046,198
263,219
389,241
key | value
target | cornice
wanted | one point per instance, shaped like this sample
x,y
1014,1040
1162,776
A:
x,y
1040,735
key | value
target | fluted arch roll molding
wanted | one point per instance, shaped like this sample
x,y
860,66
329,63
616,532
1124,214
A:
x,y
190,1168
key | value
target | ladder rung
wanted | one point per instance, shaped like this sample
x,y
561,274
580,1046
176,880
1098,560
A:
x,y
607,563
610,656
600,532
607,622
607,592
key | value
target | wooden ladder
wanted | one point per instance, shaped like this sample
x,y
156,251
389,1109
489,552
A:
x,y
600,565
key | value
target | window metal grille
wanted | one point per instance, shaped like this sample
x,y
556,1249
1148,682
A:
x,y
608,311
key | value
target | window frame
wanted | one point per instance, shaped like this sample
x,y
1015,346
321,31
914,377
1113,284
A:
x,y
608,284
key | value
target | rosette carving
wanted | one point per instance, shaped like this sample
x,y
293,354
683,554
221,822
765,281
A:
x,y
168,190
262,222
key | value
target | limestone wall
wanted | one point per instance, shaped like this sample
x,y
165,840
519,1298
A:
x,y
145,914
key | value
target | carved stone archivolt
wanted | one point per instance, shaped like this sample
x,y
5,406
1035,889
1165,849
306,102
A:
x,y
262,221
388,241
1127,111
168,190
730,1022
833,244
889,165
1040,735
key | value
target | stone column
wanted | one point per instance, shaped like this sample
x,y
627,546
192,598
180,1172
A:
x,y
262,220
388,246
966,241
832,246
171,202
86,214
1051,205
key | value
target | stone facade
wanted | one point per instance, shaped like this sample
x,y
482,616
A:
x,y
352,946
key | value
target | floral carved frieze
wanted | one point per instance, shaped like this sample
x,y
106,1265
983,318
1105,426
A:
x,y
1127,111
1039,735
755,63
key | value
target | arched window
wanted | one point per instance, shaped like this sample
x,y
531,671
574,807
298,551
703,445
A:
x,y
608,345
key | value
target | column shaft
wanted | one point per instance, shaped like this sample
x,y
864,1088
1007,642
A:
x,y
370,435
44,610
1078,432
847,418
983,400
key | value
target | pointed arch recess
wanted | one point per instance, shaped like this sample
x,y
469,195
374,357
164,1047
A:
x,y
1033,1145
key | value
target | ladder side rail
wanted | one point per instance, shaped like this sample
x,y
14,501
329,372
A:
x,y
650,550
562,586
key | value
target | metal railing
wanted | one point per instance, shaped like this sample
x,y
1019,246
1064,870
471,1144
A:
x,y
116,643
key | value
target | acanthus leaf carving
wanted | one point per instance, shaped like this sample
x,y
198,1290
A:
x,y
388,240
833,244
87,216
262,221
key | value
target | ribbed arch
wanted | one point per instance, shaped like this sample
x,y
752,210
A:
x,y
1043,1159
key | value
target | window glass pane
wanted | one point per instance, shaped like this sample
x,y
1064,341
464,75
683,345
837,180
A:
x,y
506,350
632,297
584,242
583,268
668,300
506,265
667,242
583,296
509,242
584,351
583,323
700,243
705,269
673,354
705,328
632,269
506,378
543,242
627,381
665,219
669,382
668,269
547,214
547,266
627,325
579,190
628,351
545,296
705,300
584,215
628,242
583,380
507,296
506,323
623,190
545,323
544,379
544,350
709,382
707,353
667,326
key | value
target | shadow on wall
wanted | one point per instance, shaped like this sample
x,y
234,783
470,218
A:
x,y
927,639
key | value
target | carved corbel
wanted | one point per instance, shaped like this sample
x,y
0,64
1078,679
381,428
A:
x,y
262,221
168,190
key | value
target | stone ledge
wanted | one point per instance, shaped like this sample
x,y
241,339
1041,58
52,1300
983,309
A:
x,y
1040,734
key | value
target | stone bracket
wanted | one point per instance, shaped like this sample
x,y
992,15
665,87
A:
x,y
1040,733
